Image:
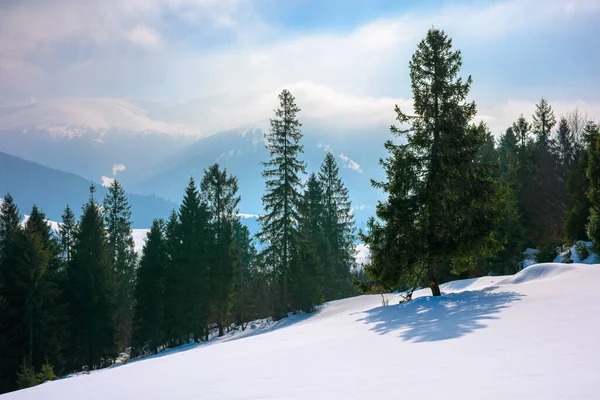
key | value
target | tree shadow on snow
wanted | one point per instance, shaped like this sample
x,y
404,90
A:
x,y
430,319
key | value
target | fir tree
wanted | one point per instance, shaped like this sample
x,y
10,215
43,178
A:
x,y
219,193
193,255
173,282
244,301
149,291
91,291
117,218
338,229
281,200
67,231
578,186
441,211
543,121
313,251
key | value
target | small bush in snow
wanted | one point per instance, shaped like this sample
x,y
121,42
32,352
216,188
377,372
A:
x,y
547,254
582,251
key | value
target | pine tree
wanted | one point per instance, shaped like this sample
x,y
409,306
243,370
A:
x,y
313,251
565,145
543,121
193,255
117,217
593,175
244,307
149,332
578,186
173,282
91,292
67,232
283,184
50,312
219,193
441,211
338,228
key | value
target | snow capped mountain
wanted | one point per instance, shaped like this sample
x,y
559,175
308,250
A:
x,y
529,336
77,117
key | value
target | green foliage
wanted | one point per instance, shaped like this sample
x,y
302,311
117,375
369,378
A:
x,y
441,211
91,291
548,253
149,328
27,377
282,172
117,218
219,193
337,229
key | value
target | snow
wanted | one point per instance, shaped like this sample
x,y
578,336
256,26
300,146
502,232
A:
x,y
533,335
75,117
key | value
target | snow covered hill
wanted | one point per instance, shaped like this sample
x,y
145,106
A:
x,y
530,336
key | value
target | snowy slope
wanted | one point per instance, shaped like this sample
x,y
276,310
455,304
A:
x,y
530,336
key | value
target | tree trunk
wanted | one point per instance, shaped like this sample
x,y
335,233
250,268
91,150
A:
x,y
433,282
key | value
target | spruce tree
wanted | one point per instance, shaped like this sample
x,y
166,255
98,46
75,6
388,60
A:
x,y
193,255
219,193
149,328
441,212
283,184
543,121
313,253
173,282
338,229
67,231
12,332
117,218
91,292
50,319
244,307
578,186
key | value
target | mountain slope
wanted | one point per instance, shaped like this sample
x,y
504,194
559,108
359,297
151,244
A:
x,y
524,337
31,183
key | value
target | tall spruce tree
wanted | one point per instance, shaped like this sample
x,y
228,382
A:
x,y
91,292
196,240
313,251
12,331
338,229
220,194
441,211
49,310
173,282
149,327
117,218
283,184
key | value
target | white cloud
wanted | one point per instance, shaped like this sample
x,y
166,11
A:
x,y
145,36
107,181
349,163
118,168
342,78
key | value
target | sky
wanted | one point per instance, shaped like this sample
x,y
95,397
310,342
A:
x,y
345,60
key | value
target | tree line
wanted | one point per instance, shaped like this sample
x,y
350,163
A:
x,y
462,203
75,298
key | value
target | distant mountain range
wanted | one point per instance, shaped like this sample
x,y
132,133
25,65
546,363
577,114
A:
x,y
153,149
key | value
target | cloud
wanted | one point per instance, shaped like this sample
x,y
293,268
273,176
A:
x,y
107,181
349,163
118,168
145,36
349,77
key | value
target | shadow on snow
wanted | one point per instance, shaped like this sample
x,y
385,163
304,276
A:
x,y
430,319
